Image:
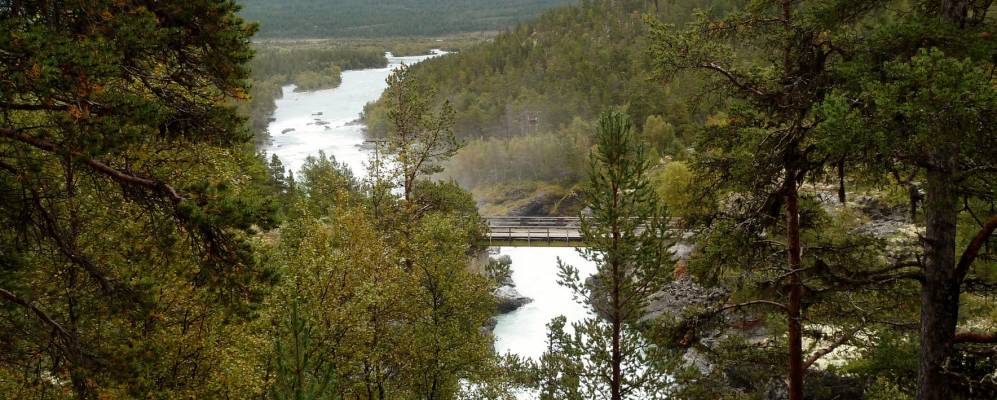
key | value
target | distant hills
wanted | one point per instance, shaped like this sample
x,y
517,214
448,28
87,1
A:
x,y
367,18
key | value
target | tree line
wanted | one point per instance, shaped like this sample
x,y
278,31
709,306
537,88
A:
x,y
357,18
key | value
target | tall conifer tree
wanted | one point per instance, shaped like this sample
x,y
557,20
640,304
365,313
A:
x,y
627,238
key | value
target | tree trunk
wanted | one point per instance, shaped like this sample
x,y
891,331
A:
x,y
940,290
617,268
842,195
795,334
617,383
941,287
955,11
914,195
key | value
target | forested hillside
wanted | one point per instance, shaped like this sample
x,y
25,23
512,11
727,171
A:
x,y
776,199
525,102
362,18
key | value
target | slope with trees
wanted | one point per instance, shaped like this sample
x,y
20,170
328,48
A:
x,y
548,80
360,18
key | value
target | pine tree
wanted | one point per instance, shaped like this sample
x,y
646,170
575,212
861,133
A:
x,y
124,179
300,374
627,238
420,137
772,60
920,98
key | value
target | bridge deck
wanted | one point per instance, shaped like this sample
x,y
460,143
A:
x,y
533,229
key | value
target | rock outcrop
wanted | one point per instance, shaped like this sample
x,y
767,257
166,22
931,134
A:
x,y
509,299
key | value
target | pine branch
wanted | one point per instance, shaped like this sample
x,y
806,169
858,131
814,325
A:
x,y
975,337
732,78
122,177
781,306
973,250
14,299
827,350
32,107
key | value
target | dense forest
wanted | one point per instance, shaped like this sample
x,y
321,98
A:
x,y
543,83
781,199
361,18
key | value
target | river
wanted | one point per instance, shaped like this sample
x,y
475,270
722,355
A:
x,y
298,112
534,269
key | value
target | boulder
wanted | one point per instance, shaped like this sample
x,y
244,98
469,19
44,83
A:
x,y
680,295
509,299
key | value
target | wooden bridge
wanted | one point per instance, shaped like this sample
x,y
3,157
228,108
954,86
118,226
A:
x,y
520,231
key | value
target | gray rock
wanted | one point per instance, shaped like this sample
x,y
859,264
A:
x,y
509,299
681,251
696,359
775,390
680,295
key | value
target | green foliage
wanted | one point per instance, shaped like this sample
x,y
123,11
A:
x,y
596,52
892,363
420,138
389,306
674,185
289,59
751,165
557,158
298,375
628,241
921,88
131,205
328,78
528,198
524,102
661,136
358,18
327,183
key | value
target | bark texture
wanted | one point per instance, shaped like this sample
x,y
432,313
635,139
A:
x,y
940,290
795,335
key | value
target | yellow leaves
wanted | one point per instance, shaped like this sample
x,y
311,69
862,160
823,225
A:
x,y
240,94
822,38
35,71
719,120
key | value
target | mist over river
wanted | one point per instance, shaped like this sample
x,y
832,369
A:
x,y
327,120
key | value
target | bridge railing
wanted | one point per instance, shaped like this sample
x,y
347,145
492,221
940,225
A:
x,y
533,221
533,234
